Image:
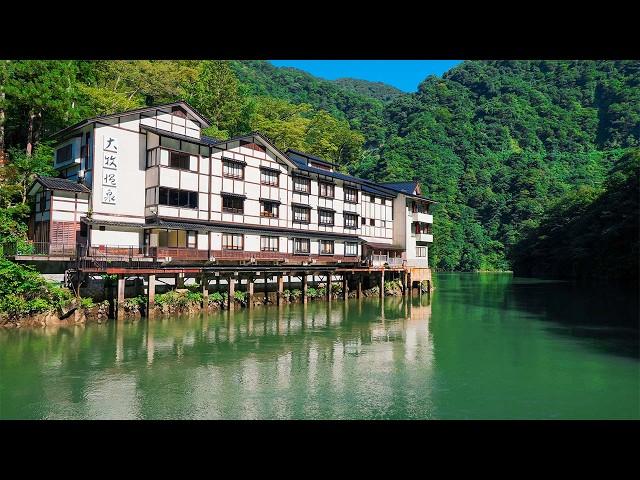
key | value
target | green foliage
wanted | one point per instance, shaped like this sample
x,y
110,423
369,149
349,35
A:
x,y
240,296
24,291
216,297
391,285
589,232
87,302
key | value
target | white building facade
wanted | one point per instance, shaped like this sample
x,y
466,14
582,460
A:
x,y
148,181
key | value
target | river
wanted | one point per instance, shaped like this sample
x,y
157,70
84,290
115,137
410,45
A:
x,y
483,346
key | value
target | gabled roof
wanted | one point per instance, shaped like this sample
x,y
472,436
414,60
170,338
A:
x,y
180,103
61,184
264,140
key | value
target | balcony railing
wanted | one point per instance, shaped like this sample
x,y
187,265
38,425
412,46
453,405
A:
x,y
379,260
424,237
41,249
422,217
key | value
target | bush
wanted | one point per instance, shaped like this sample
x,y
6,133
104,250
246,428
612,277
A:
x,y
216,297
240,296
87,302
23,291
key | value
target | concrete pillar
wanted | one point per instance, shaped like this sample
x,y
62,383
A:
x,y
250,292
345,286
266,289
120,307
231,292
280,289
151,295
179,280
382,283
405,289
359,285
304,288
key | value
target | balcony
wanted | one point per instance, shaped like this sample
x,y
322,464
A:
x,y
380,260
424,237
422,217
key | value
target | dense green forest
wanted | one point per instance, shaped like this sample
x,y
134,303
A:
x,y
505,147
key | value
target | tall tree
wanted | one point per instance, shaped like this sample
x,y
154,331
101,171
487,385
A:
x,y
41,94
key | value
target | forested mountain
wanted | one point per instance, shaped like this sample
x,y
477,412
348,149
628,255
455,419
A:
x,y
497,143
378,90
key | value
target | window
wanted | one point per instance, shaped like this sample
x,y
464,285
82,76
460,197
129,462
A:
x,y
269,244
422,227
326,190
179,160
232,241
325,217
150,197
269,177
232,169
269,209
350,220
232,204
301,245
176,238
88,164
350,249
364,221
421,251
372,198
177,198
43,201
326,247
301,184
350,195
301,214
64,154
372,222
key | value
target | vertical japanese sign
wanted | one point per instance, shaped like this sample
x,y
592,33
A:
x,y
110,159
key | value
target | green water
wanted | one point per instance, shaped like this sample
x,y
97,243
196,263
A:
x,y
484,346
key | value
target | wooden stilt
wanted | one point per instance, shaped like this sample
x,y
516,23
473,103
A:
x,y
280,289
151,295
250,292
328,287
304,288
359,294
120,307
231,292
381,283
345,287
205,290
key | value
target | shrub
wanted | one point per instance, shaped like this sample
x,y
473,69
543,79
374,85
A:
x,y
216,297
240,296
87,302
24,291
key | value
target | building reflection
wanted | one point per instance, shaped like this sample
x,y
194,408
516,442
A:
x,y
320,360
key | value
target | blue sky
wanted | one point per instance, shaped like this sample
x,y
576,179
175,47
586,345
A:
x,y
403,74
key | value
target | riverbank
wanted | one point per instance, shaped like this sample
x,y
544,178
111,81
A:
x,y
187,301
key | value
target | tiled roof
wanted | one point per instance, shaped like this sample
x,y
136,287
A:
x,y
209,140
404,187
62,184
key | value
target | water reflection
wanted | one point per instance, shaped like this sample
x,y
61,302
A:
x,y
338,360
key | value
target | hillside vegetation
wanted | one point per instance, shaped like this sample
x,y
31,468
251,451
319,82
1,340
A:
x,y
501,145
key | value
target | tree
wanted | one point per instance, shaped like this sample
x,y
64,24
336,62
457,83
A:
x,y
41,95
217,94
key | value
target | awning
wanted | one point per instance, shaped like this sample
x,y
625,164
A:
x,y
382,246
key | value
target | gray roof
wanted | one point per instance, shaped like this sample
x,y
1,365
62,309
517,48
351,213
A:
x,y
132,112
62,184
404,187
